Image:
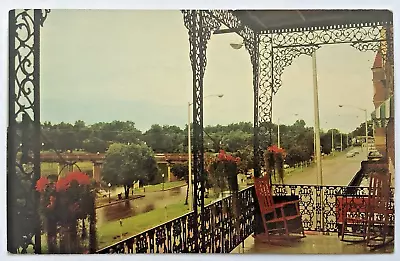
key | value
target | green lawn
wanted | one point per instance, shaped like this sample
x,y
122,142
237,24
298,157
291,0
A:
x,y
49,168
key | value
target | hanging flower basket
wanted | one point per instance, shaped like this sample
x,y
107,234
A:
x,y
274,160
223,170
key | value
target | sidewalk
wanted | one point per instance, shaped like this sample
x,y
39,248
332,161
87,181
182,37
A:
x,y
103,202
105,198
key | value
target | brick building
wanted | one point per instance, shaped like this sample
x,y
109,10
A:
x,y
382,78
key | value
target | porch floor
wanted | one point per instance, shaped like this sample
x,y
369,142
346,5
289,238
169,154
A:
x,y
313,243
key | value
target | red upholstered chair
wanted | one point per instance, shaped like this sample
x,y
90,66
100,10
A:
x,y
275,218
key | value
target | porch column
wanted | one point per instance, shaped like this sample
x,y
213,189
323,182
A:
x,y
254,51
200,26
169,172
24,128
97,166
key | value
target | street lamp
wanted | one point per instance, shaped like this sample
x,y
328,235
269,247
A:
x,y
366,123
190,198
162,181
109,192
279,133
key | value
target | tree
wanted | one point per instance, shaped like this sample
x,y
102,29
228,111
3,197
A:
x,y
236,140
181,171
124,164
246,159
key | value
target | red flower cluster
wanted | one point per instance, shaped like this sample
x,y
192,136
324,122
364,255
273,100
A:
x,y
223,156
64,183
275,149
41,184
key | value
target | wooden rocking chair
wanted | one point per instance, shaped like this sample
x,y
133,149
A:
x,y
277,220
378,211
367,215
354,211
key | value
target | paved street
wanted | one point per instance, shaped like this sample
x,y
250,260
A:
x,y
338,171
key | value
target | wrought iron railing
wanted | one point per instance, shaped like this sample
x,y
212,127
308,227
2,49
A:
x,y
177,235
317,206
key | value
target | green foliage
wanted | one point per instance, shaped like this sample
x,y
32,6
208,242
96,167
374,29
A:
x,y
125,164
181,171
163,139
246,159
235,138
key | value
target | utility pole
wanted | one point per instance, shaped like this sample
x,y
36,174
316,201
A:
x,y
316,119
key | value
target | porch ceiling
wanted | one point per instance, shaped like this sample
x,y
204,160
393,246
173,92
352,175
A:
x,y
260,20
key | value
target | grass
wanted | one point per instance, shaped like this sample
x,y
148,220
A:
x,y
49,168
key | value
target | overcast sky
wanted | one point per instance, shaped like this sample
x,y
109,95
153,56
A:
x,y
134,65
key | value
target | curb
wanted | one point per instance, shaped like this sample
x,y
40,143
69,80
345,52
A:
x,y
163,190
118,202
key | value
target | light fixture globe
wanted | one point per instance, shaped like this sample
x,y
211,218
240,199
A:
x,y
236,46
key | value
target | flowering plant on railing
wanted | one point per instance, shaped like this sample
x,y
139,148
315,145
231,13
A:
x,y
62,204
274,161
223,170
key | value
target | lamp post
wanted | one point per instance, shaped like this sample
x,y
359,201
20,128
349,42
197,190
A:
x,y
162,181
190,197
366,123
332,140
279,132
109,192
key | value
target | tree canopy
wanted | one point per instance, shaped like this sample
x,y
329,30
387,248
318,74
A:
x,y
125,164
234,138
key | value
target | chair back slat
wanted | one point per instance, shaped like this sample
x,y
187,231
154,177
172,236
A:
x,y
264,193
379,192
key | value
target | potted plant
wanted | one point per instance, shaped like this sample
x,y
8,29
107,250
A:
x,y
63,203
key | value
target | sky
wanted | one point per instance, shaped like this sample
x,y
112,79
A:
x,y
99,65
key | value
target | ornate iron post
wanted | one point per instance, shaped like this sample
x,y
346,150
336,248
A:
x,y
200,25
23,147
253,49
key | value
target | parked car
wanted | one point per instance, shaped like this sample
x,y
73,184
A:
x,y
374,155
350,154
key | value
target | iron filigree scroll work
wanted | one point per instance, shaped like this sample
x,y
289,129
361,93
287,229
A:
x,y
23,146
177,235
200,26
